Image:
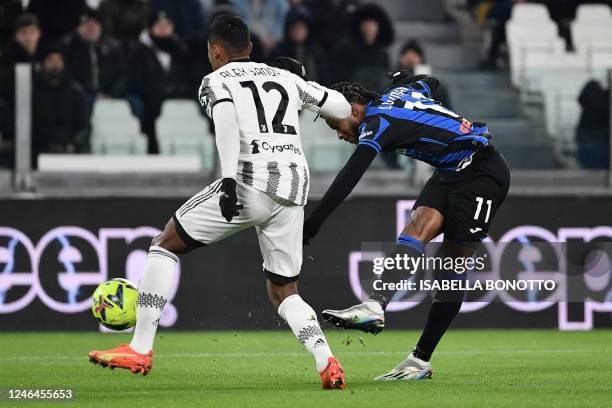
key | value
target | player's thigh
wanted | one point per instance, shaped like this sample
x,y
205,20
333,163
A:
x,y
428,213
280,241
472,208
199,221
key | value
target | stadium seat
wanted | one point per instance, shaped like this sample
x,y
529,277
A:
x,y
530,32
594,13
599,62
526,39
181,129
530,13
543,70
115,131
592,33
562,112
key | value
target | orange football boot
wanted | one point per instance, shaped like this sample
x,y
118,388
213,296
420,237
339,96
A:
x,y
123,357
332,377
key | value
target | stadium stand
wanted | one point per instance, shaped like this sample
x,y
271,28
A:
x,y
532,108
486,96
115,129
543,70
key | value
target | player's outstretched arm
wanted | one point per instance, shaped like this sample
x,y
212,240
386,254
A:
x,y
335,105
324,101
342,186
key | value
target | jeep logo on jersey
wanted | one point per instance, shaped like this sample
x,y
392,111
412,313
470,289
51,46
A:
x,y
255,147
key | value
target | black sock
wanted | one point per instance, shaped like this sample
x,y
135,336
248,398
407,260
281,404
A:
x,y
440,317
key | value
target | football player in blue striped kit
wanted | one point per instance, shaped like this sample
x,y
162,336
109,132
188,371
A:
x,y
470,182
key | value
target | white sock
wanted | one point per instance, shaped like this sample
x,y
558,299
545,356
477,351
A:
x,y
303,321
153,291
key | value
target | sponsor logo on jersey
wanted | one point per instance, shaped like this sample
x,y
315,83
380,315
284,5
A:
x,y
256,147
365,134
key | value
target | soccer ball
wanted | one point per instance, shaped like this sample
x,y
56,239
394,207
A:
x,y
114,304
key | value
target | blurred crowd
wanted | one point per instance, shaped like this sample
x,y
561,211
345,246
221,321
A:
x,y
149,51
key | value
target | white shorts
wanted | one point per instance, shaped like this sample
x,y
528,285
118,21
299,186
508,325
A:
x,y
279,227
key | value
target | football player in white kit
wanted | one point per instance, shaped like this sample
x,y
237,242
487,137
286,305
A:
x,y
264,184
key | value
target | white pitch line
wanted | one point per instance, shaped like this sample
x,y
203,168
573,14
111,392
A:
x,y
303,354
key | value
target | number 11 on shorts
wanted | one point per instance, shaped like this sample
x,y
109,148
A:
x,y
479,201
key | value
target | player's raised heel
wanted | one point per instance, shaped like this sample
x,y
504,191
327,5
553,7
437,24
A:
x,y
123,357
332,377
367,317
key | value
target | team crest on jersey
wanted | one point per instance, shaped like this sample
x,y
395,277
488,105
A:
x,y
466,126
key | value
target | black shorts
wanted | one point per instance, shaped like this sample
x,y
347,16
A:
x,y
468,199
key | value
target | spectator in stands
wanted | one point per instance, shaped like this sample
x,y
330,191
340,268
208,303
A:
x,y
497,17
9,11
23,48
159,70
411,57
298,44
362,56
331,19
60,117
124,19
593,131
57,18
264,17
186,15
95,61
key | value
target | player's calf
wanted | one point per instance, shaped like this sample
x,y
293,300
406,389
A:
x,y
302,320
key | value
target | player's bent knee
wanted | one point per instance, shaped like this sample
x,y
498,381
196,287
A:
x,y
280,287
425,224
170,240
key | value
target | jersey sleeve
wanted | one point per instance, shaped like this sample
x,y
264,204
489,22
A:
x,y
311,94
375,133
213,91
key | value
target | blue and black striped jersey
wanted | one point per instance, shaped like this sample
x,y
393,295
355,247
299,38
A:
x,y
406,120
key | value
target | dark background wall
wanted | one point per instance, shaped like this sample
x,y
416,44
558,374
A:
x,y
222,286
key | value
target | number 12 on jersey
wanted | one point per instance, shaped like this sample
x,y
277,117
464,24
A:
x,y
277,121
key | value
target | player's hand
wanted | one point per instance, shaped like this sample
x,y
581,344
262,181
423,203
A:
x,y
228,202
292,65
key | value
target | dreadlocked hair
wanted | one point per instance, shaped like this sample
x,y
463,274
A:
x,y
355,93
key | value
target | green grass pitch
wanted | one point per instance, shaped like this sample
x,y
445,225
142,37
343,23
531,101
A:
x,y
505,368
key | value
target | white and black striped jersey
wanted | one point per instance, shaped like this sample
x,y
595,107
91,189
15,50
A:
x,y
267,101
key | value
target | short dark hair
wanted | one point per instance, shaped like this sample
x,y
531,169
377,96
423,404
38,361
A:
x,y
231,32
413,45
355,93
26,20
